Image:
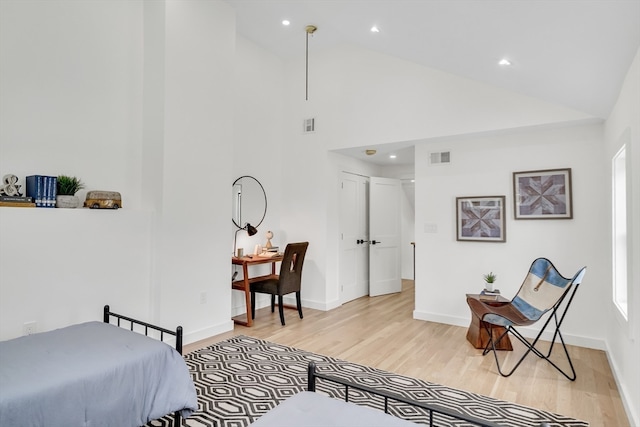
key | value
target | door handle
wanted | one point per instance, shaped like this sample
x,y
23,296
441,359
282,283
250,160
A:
x,y
373,242
360,241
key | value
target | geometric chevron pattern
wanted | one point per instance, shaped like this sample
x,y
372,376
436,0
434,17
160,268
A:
x,y
240,379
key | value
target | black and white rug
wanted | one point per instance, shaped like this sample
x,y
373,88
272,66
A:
x,y
242,378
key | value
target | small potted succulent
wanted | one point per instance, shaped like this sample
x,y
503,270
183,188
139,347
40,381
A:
x,y
489,280
67,188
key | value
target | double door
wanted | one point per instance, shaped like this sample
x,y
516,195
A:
x,y
369,262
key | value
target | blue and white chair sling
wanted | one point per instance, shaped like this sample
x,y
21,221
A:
x,y
544,290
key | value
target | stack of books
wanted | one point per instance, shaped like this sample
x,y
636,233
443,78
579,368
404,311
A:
x,y
17,201
486,295
43,190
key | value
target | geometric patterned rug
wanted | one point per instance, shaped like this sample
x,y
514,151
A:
x,y
242,378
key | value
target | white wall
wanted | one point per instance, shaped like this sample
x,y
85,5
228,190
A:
x,y
71,105
623,337
78,100
258,133
483,166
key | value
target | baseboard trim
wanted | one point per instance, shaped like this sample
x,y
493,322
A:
x,y
632,415
570,339
208,332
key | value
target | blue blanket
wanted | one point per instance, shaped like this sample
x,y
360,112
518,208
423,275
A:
x,y
91,374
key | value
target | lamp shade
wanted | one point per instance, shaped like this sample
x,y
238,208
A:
x,y
251,230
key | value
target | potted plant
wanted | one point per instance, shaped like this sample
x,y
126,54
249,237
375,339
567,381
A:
x,y
67,188
489,280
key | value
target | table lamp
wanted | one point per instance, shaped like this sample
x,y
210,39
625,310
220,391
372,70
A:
x,y
251,230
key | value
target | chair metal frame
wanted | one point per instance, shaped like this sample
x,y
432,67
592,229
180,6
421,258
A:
x,y
557,312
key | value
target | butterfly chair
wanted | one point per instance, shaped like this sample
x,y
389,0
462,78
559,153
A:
x,y
288,281
543,291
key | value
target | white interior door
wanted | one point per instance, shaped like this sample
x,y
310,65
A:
x,y
384,236
354,228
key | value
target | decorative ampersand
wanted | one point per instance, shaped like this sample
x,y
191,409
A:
x,y
10,186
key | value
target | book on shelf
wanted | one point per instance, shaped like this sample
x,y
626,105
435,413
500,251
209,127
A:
x,y
272,249
42,189
493,292
18,199
17,204
486,297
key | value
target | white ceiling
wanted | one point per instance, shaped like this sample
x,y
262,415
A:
x,y
570,52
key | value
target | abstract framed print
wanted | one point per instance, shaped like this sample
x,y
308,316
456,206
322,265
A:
x,y
543,194
480,219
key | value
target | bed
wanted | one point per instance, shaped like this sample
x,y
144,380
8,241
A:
x,y
94,374
311,409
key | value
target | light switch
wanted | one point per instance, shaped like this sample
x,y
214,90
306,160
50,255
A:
x,y
430,228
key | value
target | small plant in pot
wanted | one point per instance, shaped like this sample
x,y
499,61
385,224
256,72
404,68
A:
x,y
68,186
489,280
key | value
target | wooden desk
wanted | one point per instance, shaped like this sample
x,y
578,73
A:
x,y
477,334
244,284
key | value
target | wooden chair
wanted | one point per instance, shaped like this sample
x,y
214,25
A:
x,y
288,281
543,291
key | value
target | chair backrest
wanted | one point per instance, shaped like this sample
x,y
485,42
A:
x,y
543,289
291,267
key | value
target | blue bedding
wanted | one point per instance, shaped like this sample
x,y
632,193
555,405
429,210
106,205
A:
x,y
92,374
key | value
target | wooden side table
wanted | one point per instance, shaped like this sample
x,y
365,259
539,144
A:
x,y
477,334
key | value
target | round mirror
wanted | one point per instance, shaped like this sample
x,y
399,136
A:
x,y
249,202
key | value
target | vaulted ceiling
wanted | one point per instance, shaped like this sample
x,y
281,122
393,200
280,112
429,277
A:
x,y
573,53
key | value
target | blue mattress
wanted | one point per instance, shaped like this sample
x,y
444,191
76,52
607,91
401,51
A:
x,y
91,374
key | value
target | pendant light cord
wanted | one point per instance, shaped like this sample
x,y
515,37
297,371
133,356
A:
x,y
306,71
310,30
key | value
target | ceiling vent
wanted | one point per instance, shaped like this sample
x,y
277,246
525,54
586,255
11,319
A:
x,y
442,157
309,125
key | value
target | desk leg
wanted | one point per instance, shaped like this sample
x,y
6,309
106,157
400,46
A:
x,y
247,293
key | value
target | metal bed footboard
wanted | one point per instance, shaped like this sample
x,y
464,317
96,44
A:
x,y
431,409
177,334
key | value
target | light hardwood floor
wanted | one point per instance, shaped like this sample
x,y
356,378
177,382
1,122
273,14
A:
x,y
380,332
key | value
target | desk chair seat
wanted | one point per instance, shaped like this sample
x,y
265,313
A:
x,y
543,291
288,281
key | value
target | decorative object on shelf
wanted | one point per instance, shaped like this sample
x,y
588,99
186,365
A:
x,y
10,195
68,186
480,219
543,194
489,280
98,199
10,186
43,190
269,236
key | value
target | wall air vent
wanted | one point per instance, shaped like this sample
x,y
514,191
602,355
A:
x,y
442,157
309,125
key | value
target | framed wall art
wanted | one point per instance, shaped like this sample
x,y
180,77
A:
x,y
480,219
543,194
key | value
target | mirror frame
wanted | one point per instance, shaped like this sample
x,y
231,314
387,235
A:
x,y
264,193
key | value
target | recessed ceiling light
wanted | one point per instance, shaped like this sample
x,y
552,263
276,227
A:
x,y
375,29
286,22
392,156
504,62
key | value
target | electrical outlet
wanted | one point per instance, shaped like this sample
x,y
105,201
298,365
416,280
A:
x,y
29,328
203,297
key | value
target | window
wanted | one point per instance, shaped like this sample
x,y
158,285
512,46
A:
x,y
620,231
